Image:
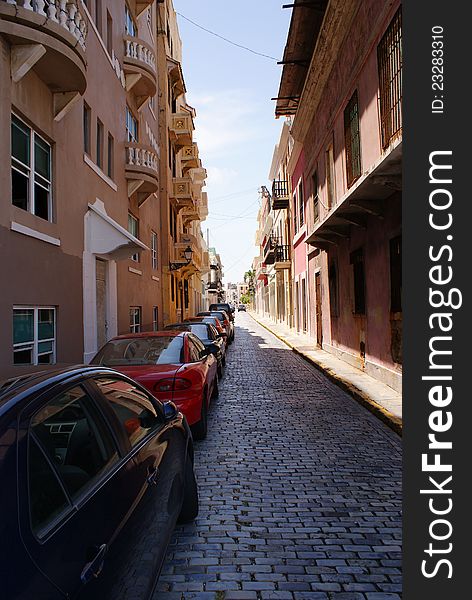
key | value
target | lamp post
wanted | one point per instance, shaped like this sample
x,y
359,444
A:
x,y
188,253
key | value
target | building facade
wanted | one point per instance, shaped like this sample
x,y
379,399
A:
x,y
343,94
84,221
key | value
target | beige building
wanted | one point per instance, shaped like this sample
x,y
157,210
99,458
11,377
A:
x,y
84,220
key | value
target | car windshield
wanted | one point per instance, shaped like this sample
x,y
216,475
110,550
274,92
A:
x,y
162,350
221,315
198,329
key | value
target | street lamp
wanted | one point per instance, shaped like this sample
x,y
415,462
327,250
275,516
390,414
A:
x,y
188,253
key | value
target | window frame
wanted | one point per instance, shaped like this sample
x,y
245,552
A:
x,y
131,127
29,170
36,341
155,318
129,19
134,233
154,252
315,196
352,140
133,323
330,175
87,128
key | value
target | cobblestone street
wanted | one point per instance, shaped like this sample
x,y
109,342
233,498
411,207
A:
x,y
300,489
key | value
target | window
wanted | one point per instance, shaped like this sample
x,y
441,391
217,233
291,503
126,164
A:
x,y
98,15
195,349
357,262
352,140
34,335
172,287
110,153
133,228
155,318
301,204
330,175
30,170
333,289
109,34
396,274
131,127
130,26
316,198
295,210
47,499
87,118
152,105
389,58
149,21
135,319
154,250
75,441
99,144
132,407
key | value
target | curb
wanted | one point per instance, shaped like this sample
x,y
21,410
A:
x,y
395,423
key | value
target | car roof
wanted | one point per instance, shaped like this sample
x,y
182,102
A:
x,y
16,389
147,334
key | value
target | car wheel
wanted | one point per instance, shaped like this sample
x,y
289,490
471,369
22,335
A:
x,y
200,429
189,509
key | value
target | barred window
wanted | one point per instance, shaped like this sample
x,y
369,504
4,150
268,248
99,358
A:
x,y
389,57
352,140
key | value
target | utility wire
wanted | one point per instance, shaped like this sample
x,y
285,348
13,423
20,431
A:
x,y
225,39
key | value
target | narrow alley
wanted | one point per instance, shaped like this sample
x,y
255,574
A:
x,y
299,489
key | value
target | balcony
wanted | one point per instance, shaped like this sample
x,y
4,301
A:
x,y
269,250
282,257
49,38
182,192
139,66
181,129
189,157
280,195
365,203
141,171
141,5
176,78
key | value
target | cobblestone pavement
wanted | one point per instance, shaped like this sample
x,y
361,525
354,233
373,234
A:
x,y
300,489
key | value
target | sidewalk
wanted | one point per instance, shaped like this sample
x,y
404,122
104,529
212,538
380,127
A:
x,y
382,400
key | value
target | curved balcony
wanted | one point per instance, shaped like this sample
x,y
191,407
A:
x,y
47,36
139,65
141,171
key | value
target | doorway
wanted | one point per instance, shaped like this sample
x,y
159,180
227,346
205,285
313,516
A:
x,y
318,313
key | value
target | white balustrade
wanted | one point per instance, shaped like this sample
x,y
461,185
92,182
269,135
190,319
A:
x,y
138,51
141,157
64,12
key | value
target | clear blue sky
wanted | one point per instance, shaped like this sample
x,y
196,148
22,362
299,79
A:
x,y
236,130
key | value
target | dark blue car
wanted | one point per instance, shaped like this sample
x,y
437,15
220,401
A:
x,y
94,474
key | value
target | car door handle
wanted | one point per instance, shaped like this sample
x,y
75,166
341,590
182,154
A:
x,y
153,473
95,566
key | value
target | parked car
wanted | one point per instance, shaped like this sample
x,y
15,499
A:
x,y
172,365
210,338
242,307
228,308
224,318
95,471
213,321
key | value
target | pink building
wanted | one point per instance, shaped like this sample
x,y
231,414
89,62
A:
x,y
341,83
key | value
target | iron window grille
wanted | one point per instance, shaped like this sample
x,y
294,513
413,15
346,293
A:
x,y
316,198
389,58
352,140
31,170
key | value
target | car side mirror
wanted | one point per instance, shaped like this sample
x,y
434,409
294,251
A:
x,y
170,411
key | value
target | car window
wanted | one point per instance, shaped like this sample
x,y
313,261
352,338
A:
x,y
74,438
155,350
132,406
47,498
195,348
200,330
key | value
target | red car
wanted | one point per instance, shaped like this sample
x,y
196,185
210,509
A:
x,y
172,365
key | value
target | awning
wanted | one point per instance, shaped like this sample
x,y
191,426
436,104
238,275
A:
x,y
105,237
